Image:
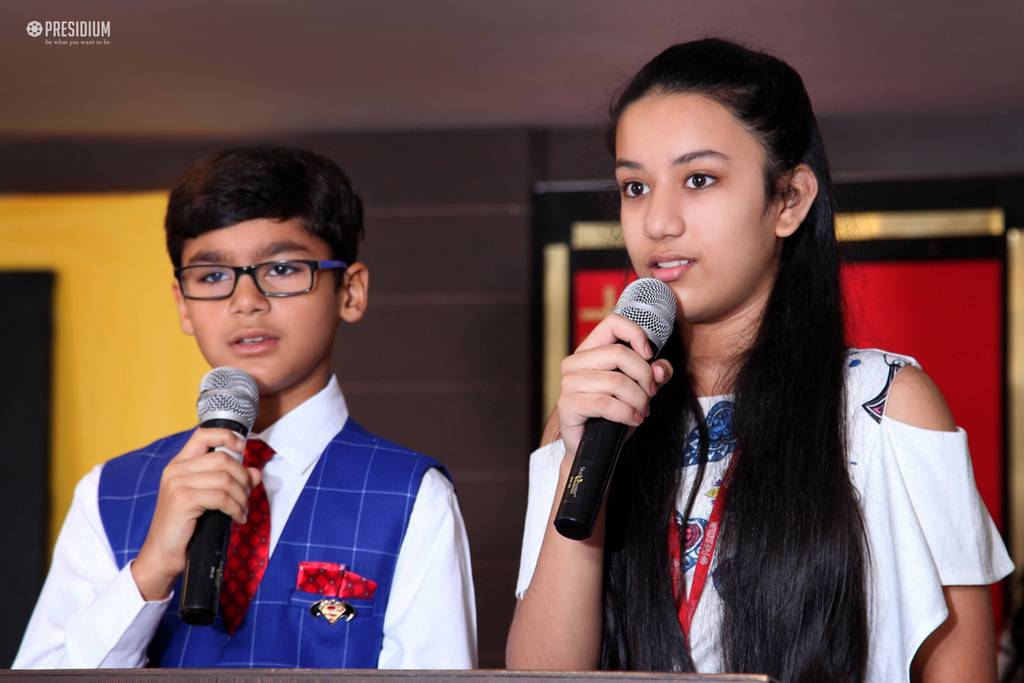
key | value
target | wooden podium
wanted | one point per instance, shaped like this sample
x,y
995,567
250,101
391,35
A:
x,y
361,676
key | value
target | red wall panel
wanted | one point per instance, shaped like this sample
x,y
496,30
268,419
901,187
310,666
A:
x,y
594,295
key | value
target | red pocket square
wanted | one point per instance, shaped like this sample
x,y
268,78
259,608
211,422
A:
x,y
333,580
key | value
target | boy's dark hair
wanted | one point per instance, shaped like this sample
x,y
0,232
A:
x,y
276,183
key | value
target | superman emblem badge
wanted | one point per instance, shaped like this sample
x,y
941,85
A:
x,y
332,610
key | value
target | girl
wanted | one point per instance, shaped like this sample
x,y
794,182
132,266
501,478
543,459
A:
x,y
786,505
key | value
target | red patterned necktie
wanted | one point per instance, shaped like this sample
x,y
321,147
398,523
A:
x,y
249,548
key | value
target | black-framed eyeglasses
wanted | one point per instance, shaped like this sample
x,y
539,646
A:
x,y
274,278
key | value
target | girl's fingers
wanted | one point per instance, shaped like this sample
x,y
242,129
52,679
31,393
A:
x,y
615,385
612,359
615,328
610,408
608,379
663,371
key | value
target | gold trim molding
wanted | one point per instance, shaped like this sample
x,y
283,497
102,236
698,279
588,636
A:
x,y
1015,406
586,235
556,320
850,227
855,227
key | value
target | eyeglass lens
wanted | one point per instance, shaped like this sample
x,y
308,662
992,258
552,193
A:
x,y
211,282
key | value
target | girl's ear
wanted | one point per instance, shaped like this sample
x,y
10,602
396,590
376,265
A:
x,y
355,292
797,198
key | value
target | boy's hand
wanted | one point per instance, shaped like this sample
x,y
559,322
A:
x,y
194,481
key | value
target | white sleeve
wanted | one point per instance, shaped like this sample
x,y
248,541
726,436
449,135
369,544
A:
x,y
936,469
89,614
926,528
544,466
430,620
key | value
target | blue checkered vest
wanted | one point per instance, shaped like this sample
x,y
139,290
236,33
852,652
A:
x,y
354,511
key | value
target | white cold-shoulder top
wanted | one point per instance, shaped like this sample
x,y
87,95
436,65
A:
x,y
926,525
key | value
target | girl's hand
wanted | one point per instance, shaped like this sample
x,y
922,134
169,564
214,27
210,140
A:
x,y
609,380
558,622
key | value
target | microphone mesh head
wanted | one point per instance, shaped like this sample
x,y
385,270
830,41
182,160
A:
x,y
228,393
651,305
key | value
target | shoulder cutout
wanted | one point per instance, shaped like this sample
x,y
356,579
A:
x,y
915,400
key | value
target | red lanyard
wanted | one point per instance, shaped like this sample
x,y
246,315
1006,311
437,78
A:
x,y
688,607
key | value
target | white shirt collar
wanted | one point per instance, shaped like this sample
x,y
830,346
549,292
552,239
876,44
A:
x,y
302,435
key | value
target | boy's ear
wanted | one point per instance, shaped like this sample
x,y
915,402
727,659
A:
x,y
183,318
354,292
797,198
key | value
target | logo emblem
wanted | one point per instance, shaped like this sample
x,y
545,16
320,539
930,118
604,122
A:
x,y
332,610
35,29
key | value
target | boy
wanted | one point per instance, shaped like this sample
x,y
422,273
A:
x,y
264,243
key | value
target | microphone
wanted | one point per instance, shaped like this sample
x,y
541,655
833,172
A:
x,y
228,399
651,305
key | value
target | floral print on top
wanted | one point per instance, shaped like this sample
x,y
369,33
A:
x,y
721,446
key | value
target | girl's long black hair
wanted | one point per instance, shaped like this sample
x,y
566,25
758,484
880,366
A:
x,y
793,542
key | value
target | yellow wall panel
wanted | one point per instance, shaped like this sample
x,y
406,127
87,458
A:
x,y
123,372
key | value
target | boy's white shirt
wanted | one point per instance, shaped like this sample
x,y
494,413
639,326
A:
x,y
90,614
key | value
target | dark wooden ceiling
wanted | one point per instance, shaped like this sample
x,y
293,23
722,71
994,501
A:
x,y
254,67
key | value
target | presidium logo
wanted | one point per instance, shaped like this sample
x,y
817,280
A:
x,y
75,32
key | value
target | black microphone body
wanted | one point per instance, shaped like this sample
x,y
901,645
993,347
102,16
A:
x,y
205,556
599,448
591,476
208,547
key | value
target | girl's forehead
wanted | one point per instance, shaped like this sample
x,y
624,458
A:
x,y
673,125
